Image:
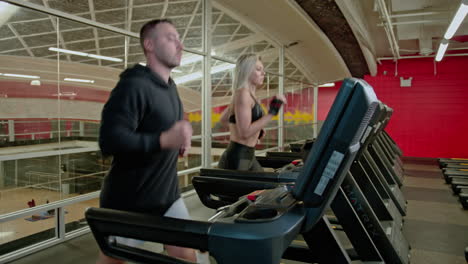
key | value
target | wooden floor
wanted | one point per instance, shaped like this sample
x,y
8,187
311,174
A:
x,y
436,225
17,199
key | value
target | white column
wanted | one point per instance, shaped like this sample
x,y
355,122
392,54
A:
x,y
2,175
281,91
315,123
11,130
206,88
16,173
81,123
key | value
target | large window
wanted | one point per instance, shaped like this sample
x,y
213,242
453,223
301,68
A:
x,y
57,72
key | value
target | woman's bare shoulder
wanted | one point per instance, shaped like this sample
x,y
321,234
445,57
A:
x,y
242,93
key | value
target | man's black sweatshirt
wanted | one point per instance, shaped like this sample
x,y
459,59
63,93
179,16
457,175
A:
x,y
143,177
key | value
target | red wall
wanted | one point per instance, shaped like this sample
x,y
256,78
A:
x,y
429,120
326,96
37,127
41,126
430,117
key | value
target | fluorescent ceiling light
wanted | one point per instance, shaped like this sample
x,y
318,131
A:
x,y
327,85
6,12
65,94
199,75
78,80
69,51
222,67
457,19
188,77
3,6
190,59
84,54
173,70
104,58
20,75
441,51
35,83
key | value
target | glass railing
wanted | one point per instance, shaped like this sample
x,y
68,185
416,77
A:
x,y
41,225
41,131
57,214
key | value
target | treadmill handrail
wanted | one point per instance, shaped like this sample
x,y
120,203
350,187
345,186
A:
x,y
280,177
156,228
207,236
207,186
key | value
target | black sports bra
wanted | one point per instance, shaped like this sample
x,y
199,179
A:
x,y
257,113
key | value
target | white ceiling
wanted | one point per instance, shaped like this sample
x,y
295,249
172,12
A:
x,y
418,25
28,33
237,26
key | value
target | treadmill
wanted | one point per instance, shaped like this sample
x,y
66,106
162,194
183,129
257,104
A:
x,y
458,184
450,174
299,147
278,160
362,189
453,168
392,152
461,165
463,197
364,170
446,161
262,229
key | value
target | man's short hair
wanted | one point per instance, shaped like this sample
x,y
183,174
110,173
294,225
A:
x,y
147,29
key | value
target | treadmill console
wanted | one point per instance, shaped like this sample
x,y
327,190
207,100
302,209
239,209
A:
x,y
267,205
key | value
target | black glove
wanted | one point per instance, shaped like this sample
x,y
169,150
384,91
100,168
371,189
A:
x,y
275,106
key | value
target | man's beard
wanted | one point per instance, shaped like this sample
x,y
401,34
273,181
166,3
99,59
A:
x,y
169,62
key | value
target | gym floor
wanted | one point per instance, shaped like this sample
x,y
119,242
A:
x,y
436,226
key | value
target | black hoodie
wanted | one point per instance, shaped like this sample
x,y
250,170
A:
x,y
143,177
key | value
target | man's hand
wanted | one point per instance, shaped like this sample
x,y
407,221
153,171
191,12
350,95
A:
x,y
179,136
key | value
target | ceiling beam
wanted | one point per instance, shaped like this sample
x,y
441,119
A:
x,y
194,12
21,40
95,33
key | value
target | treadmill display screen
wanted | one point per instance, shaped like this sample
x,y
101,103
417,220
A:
x,y
336,144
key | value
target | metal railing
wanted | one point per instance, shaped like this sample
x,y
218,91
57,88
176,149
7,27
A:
x,y
58,207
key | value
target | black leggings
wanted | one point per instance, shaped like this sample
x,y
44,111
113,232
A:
x,y
239,157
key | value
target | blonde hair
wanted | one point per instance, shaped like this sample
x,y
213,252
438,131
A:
x,y
244,67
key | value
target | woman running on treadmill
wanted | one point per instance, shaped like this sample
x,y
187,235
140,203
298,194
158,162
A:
x,y
245,115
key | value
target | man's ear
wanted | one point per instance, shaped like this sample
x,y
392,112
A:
x,y
148,44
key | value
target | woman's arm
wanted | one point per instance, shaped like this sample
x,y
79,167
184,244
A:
x,y
224,119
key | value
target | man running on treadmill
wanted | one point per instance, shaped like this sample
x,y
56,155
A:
x,y
142,127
